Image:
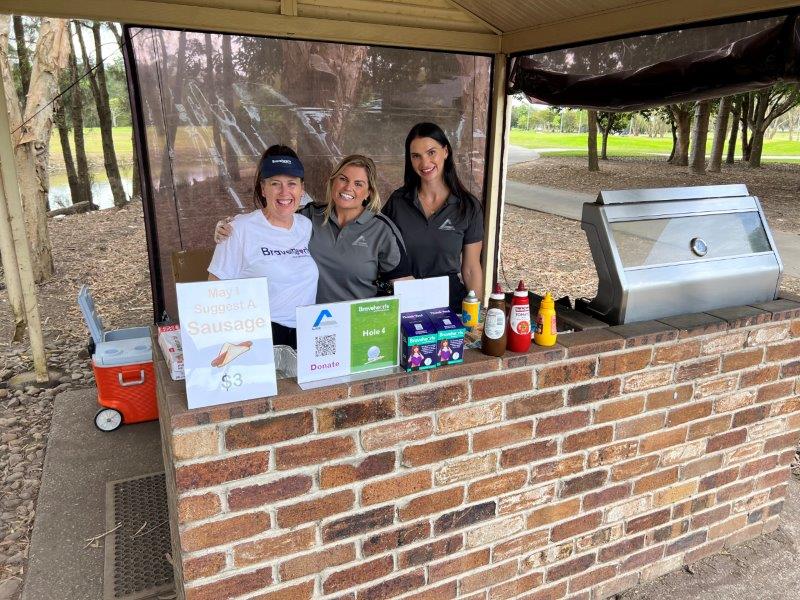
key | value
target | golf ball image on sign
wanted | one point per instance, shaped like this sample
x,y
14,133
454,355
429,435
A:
x,y
373,337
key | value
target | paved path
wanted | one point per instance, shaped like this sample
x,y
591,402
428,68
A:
x,y
569,204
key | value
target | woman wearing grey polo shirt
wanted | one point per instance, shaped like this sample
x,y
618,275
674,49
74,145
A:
x,y
436,211
353,244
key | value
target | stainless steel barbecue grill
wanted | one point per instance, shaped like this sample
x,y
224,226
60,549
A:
x,y
669,251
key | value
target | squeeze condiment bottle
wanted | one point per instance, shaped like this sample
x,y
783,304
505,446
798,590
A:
x,y
493,341
519,320
545,334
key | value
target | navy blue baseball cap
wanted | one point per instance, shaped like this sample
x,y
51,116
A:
x,y
282,165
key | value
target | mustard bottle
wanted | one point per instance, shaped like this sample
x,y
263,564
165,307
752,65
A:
x,y
546,332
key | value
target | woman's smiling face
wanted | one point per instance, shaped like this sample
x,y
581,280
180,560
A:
x,y
282,193
427,158
350,188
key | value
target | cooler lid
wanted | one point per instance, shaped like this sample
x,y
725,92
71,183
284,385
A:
x,y
89,310
123,352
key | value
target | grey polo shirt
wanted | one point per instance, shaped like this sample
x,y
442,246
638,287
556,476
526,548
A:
x,y
434,245
350,259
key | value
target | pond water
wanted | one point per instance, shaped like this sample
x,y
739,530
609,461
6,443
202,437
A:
x,y
61,197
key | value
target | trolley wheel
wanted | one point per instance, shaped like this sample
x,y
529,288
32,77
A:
x,y
108,419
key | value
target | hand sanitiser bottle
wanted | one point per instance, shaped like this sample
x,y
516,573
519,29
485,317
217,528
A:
x,y
545,334
519,321
493,341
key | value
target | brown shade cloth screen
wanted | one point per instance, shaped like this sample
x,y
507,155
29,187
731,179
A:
x,y
663,68
210,104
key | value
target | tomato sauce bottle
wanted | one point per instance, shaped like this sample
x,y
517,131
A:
x,y
519,320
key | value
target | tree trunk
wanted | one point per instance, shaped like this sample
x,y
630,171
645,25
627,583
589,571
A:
x,y
682,113
23,55
31,142
759,128
231,160
744,121
176,96
216,140
605,130
702,112
66,150
106,122
136,184
594,165
720,131
673,128
735,113
81,161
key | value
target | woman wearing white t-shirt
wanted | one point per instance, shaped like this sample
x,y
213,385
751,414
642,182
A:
x,y
273,243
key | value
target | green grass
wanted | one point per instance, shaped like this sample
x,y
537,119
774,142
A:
x,y
627,145
94,143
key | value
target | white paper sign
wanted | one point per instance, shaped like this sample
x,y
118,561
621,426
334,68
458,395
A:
x,y
227,341
422,294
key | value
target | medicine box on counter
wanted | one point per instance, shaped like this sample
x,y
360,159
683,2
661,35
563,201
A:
x,y
418,342
449,335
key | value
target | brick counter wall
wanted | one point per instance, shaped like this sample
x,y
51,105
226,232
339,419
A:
x,y
573,472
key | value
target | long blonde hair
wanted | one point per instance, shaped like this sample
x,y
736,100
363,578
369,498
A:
x,y
366,163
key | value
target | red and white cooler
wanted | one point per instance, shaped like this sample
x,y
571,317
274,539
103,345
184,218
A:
x,y
123,369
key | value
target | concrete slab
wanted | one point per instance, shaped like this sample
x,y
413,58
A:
x,y
79,461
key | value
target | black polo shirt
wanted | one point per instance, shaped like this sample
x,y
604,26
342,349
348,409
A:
x,y
434,245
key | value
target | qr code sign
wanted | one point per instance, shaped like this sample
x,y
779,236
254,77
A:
x,y
325,345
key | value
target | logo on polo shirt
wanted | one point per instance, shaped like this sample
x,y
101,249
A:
x,y
446,226
360,241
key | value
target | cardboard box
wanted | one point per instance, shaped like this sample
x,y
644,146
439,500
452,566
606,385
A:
x,y
169,340
418,342
449,335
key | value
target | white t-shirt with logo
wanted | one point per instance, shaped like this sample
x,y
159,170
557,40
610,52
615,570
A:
x,y
256,248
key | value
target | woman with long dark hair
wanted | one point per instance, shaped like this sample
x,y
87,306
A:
x,y
441,221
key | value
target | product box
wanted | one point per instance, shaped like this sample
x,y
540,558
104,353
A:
x,y
418,342
169,340
449,335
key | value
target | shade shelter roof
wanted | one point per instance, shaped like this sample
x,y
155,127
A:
x,y
507,26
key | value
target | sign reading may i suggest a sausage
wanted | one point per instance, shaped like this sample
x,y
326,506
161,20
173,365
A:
x,y
227,341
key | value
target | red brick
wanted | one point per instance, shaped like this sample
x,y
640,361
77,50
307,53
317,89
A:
x,y
203,566
655,481
395,487
395,586
311,564
360,523
454,566
663,439
780,442
224,531
634,467
692,412
314,452
785,407
709,427
427,553
594,391
263,432
394,433
716,386
431,503
291,397
750,415
502,435
315,510
257,495
790,369
562,422
676,353
640,559
708,464
711,516
366,468
396,538
759,376
526,499
648,521
502,384
355,414
640,425
726,528
613,453
572,567
624,362
215,472
592,578
572,372
432,399
265,549
583,483
734,491
512,589
620,409
646,380
719,479
496,485
195,508
534,404
464,517
554,592
737,361
522,544
301,591
606,496
363,572
683,544
697,369
436,451
588,439
722,344
556,469
783,351
624,548
553,513
469,417
446,591
675,493
232,586
726,440
774,391
671,397
533,452
735,401
755,467
488,577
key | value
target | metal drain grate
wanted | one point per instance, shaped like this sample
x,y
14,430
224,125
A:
x,y
136,565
